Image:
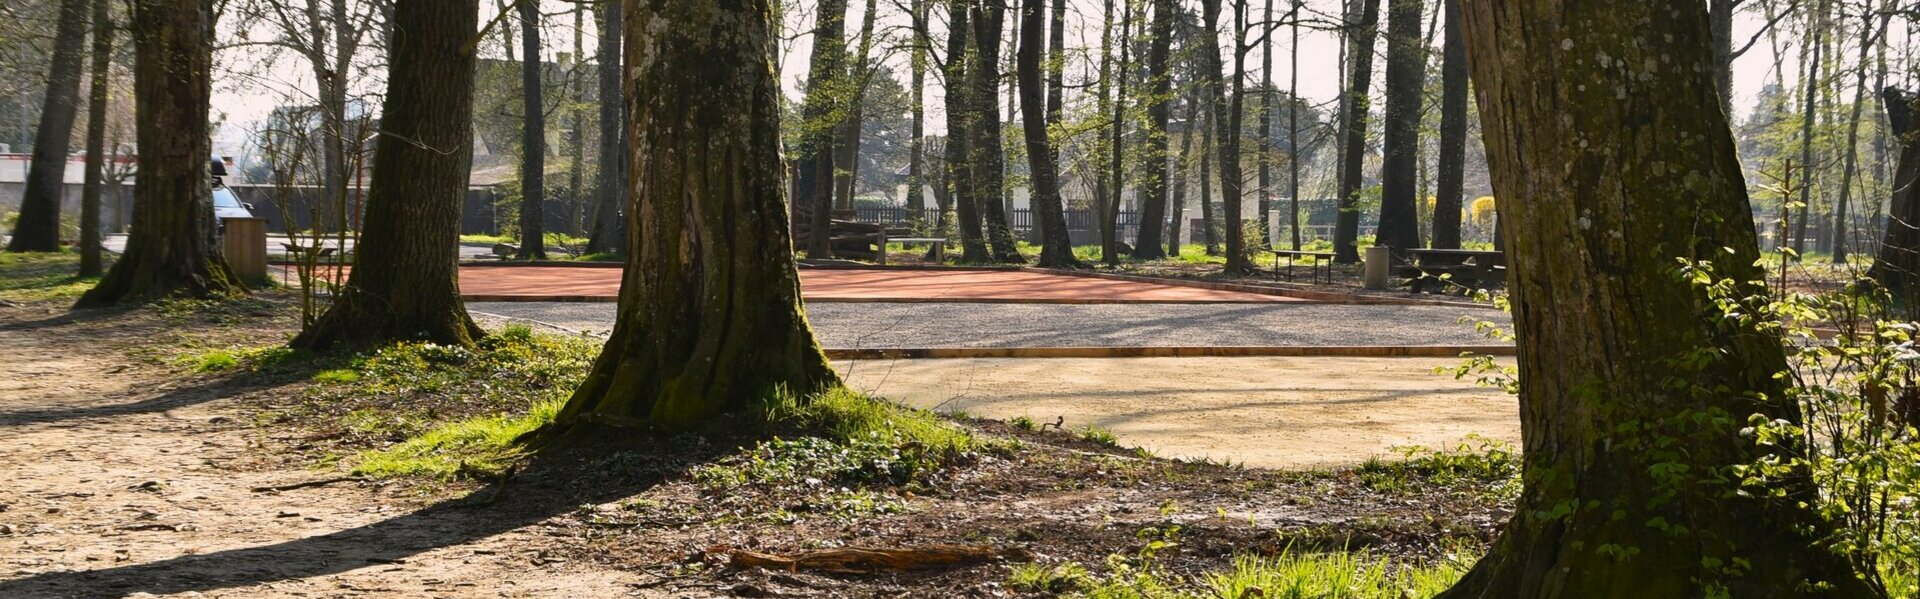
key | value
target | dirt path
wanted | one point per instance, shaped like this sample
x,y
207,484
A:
x,y
123,480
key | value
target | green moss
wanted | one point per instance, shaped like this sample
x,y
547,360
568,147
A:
x,y
475,446
214,361
841,414
336,375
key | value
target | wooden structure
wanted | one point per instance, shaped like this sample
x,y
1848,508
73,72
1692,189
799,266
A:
x,y
1321,260
1473,269
244,242
851,240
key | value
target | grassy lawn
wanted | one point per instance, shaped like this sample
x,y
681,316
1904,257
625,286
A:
x,y
42,277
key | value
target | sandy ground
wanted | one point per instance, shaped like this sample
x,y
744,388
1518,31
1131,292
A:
x,y
122,482
1265,412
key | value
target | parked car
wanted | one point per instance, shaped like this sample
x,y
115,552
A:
x,y
225,204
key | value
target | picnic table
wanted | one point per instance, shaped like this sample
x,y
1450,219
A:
x,y
1476,269
939,245
1320,259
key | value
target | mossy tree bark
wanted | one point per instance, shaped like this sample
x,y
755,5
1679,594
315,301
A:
x,y
1897,265
91,184
1605,133
171,248
820,116
405,279
1229,108
37,228
710,316
959,165
986,160
610,188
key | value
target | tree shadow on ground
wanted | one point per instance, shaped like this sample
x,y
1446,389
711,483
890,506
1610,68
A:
x,y
557,480
194,392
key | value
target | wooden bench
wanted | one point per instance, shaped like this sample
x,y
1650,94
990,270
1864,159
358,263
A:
x,y
1320,259
939,245
1473,269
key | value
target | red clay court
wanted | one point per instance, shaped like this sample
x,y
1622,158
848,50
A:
x,y
583,284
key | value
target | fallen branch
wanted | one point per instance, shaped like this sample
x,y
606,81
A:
x,y
303,485
860,560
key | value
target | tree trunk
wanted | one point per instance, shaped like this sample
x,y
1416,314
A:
x,y
847,150
37,228
1207,222
533,138
818,116
710,317
1840,229
1631,433
988,160
1450,194
1897,265
1720,24
1153,178
1181,171
405,279
1116,165
960,117
1293,129
172,248
91,186
1810,85
610,178
1406,76
1263,127
1228,111
1056,249
916,145
577,137
1353,129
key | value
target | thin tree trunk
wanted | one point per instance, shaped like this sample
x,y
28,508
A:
x,y
1264,131
1450,196
405,279
576,138
985,151
37,227
1810,85
1406,74
171,249
1629,435
1153,178
1293,130
1353,129
1228,111
610,179
710,317
847,150
1868,35
1116,167
1207,221
815,179
533,138
916,145
1181,172
1056,249
91,186
960,117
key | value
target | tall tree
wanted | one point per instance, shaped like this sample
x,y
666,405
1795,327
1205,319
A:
x,y
533,137
1056,249
91,185
819,113
1182,170
1634,381
1362,25
328,35
577,132
1869,37
171,248
916,145
405,279
1229,109
710,316
1293,128
1897,265
37,227
1159,98
1450,195
610,178
1406,76
847,149
1263,136
1116,166
960,117
985,150
1816,27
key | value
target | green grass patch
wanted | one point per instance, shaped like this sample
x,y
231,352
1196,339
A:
x,y
39,277
474,447
1330,576
336,375
1476,462
252,359
1100,435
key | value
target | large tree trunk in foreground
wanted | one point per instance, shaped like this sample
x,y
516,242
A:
x,y
533,138
1615,170
37,228
1153,180
405,279
91,185
1056,249
171,249
1451,177
1897,266
610,179
1406,74
710,317
1353,129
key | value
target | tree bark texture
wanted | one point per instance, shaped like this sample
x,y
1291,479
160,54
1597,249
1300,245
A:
x,y
171,247
1450,193
1354,104
1056,249
405,280
37,227
533,138
610,178
960,117
819,114
1406,76
91,185
1153,178
1228,112
1897,265
1615,163
710,315
985,152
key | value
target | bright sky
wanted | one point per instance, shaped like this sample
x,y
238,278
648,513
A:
x,y
244,101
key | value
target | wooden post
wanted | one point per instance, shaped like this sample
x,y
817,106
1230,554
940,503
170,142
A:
x,y
245,245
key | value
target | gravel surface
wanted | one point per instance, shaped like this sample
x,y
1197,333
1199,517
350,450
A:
x,y
929,325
